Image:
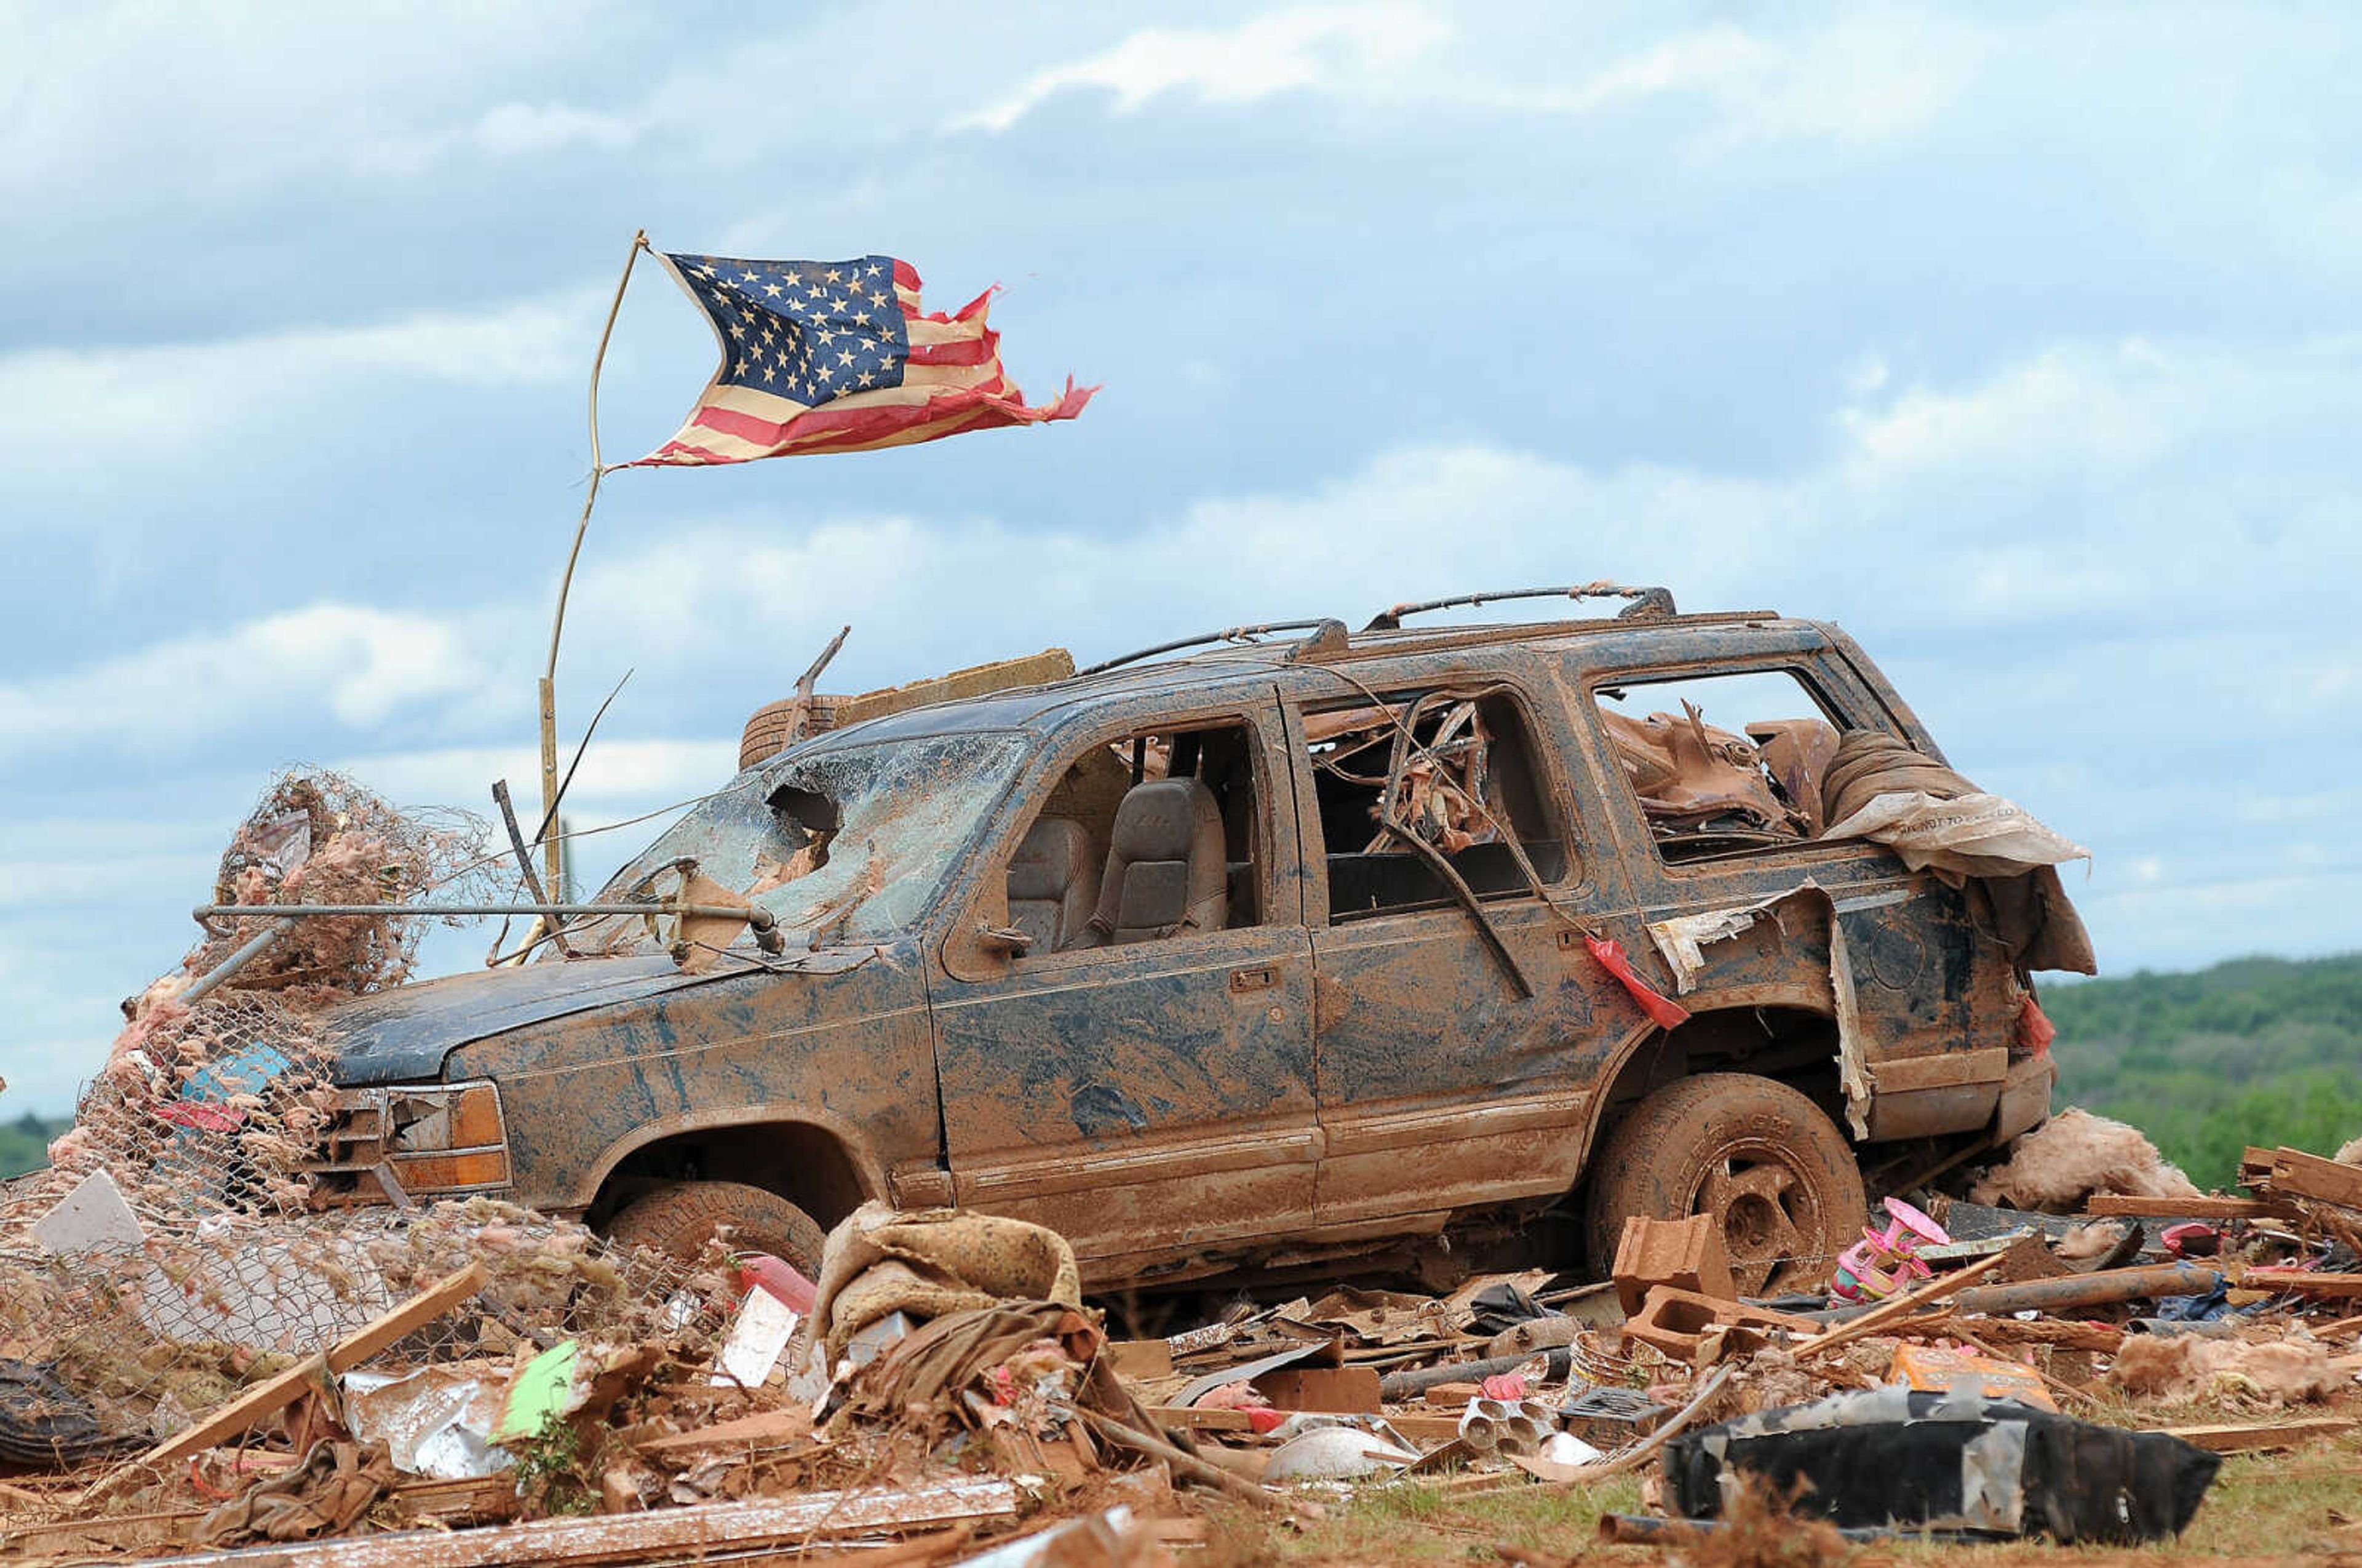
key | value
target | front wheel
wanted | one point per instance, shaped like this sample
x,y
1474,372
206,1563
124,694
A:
x,y
679,1219
1761,1157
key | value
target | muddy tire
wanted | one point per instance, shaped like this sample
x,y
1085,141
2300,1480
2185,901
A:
x,y
679,1220
1756,1153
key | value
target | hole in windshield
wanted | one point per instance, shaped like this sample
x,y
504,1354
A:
x,y
843,843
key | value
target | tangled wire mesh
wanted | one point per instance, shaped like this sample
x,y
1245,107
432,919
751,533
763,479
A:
x,y
201,1120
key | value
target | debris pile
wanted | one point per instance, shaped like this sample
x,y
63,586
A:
x,y
507,1379
215,1090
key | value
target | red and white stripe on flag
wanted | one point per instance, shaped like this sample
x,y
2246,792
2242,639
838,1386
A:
x,y
952,382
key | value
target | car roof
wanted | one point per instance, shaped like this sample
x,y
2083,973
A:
x,y
1609,644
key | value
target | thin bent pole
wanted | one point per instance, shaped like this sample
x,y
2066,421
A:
x,y
551,845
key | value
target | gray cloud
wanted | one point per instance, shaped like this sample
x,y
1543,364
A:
x,y
2021,341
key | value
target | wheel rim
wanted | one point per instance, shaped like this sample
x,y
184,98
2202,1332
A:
x,y
1769,1216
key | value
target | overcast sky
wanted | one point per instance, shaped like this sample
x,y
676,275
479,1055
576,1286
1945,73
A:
x,y
2021,340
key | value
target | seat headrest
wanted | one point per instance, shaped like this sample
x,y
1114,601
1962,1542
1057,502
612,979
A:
x,y
1161,820
1055,852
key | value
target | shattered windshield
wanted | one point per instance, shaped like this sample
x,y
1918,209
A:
x,y
847,844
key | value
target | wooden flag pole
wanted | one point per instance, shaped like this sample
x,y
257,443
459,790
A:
x,y
552,843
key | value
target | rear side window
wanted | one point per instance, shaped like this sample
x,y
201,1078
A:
x,y
1722,765
1455,770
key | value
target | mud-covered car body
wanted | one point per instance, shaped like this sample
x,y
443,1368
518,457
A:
x,y
1358,1049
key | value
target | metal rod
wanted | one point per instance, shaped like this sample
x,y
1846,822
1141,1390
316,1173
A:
x,y
801,718
255,947
755,916
1391,619
1226,634
553,849
1405,1385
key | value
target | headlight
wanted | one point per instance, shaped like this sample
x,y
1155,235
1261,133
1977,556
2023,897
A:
x,y
408,1139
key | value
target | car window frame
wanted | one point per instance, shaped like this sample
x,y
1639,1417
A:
x,y
963,950
1552,788
1794,662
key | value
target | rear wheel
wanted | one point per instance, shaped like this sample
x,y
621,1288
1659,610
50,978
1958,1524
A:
x,y
1760,1156
679,1219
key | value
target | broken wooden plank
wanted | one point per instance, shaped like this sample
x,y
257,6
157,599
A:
x,y
1195,1420
2296,1173
2121,1206
2305,1282
665,1533
1416,1427
239,1415
2251,1438
2292,1173
1341,1390
1877,1318
1140,1358
771,1428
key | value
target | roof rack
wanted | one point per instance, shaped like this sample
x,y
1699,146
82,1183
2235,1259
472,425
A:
x,y
1648,603
1322,638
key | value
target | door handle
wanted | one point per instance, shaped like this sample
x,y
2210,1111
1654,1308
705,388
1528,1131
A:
x,y
1257,979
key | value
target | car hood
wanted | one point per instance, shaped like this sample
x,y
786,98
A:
x,y
405,1032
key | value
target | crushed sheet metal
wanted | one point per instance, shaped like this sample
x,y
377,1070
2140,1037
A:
x,y
1326,1349
1682,938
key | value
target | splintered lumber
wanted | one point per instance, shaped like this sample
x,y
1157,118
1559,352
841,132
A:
x,y
770,1429
2058,1333
2269,1435
2292,1173
1877,1318
1198,1419
2121,1206
661,1534
266,1400
2304,1282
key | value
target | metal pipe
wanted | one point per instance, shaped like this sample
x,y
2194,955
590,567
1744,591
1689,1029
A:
x,y
1403,1384
2100,1288
254,947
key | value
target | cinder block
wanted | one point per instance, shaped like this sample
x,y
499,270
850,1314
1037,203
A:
x,y
1676,1322
1684,1254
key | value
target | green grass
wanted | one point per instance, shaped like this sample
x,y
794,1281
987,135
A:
x,y
2261,1506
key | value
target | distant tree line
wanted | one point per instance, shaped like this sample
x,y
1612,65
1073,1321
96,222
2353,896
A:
x,y
2262,1051
24,1144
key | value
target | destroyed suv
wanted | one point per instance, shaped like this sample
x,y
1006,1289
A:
x,y
1287,950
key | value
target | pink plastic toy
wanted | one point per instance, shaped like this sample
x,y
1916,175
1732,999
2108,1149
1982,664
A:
x,y
1882,1263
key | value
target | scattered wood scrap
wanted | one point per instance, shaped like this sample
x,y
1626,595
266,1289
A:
x,y
2258,1437
2118,1205
265,1400
2316,1283
668,1535
2286,1174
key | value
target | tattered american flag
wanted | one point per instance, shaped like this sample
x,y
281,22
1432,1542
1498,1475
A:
x,y
838,357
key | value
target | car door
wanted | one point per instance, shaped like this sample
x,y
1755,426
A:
x,y
1442,1080
1151,1100
1921,1048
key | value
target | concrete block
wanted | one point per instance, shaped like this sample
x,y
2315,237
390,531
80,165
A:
x,y
1685,1254
1679,1322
